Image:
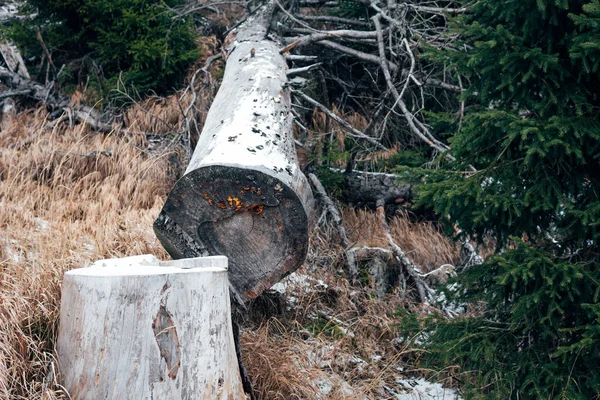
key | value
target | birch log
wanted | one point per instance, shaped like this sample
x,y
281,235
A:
x,y
243,194
138,328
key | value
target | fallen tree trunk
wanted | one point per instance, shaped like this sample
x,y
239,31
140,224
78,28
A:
x,y
243,194
140,328
367,188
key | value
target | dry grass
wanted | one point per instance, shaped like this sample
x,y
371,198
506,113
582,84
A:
x,y
62,205
422,241
336,335
69,196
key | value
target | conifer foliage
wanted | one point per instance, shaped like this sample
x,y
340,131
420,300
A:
x,y
142,43
532,131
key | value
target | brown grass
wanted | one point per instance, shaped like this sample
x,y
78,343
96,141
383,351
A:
x,y
338,333
422,241
69,196
63,206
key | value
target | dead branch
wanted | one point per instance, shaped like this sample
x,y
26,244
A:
x,y
352,131
13,59
338,20
15,93
52,99
296,71
335,34
318,3
426,294
337,220
410,118
43,44
297,57
435,10
356,53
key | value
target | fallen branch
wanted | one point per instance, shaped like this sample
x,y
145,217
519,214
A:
x,y
436,10
296,71
297,57
337,219
52,99
356,53
425,292
342,33
318,3
423,135
13,59
352,131
325,18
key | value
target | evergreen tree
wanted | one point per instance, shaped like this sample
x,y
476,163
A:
x,y
140,42
532,131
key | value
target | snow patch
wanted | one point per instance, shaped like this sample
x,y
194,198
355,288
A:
x,y
296,281
422,389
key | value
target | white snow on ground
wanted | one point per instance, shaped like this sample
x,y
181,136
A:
x,y
421,389
297,281
41,224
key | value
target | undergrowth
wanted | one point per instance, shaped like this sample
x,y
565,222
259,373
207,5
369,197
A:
x,y
70,196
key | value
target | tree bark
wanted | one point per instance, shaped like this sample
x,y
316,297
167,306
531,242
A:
x,y
13,59
366,188
139,328
243,194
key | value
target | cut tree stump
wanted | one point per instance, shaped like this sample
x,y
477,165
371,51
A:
x,y
243,194
141,328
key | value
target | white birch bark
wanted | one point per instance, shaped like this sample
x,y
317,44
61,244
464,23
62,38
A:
x,y
243,194
139,328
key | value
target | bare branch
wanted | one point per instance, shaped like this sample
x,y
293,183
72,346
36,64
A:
x,y
13,93
410,118
296,71
342,33
425,292
352,131
436,10
356,53
337,219
297,57
318,3
325,18
54,100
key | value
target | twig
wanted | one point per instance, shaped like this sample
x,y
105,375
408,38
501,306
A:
x,y
41,40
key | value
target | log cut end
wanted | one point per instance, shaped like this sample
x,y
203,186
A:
x,y
250,216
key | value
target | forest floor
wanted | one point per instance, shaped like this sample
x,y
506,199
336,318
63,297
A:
x,y
70,196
